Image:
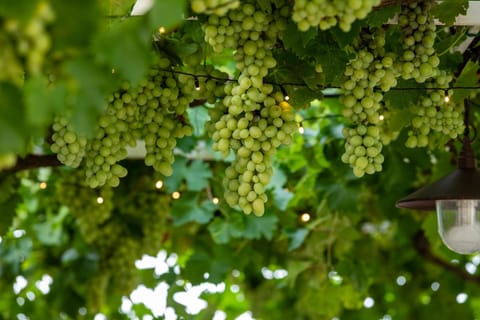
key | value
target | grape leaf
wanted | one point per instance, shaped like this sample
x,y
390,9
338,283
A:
x,y
197,175
42,100
380,16
467,78
296,237
179,167
446,11
93,83
222,231
258,227
126,49
13,130
198,117
166,14
187,209
297,40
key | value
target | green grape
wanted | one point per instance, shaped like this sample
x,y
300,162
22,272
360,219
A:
x,y
419,60
218,7
434,118
326,14
116,130
69,147
164,117
370,73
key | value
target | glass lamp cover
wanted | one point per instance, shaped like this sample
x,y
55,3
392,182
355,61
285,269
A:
x,y
459,224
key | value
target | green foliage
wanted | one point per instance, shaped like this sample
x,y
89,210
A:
x,y
327,240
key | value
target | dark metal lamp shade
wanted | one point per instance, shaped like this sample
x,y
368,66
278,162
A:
x,y
463,183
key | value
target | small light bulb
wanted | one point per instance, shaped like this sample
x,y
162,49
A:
x,y
159,184
99,200
113,70
305,217
215,200
446,98
287,97
176,195
162,30
381,117
43,185
301,130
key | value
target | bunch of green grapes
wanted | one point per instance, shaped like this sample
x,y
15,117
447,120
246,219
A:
x,y
163,114
254,136
91,208
419,59
435,115
326,14
370,73
117,129
251,122
217,7
67,145
31,39
125,277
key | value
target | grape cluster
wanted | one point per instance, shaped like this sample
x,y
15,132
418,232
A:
x,y
252,120
67,145
326,14
419,59
218,7
165,99
116,130
91,208
31,41
370,73
434,114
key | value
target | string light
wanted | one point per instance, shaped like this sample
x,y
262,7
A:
x,y
381,117
176,195
159,184
287,97
197,84
301,130
305,217
162,30
99,200
43,185
446,98
215,200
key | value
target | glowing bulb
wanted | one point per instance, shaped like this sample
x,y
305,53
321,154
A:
x,y
459,224
446,98
381,117
215,200
99,200
159,184
176,195
43,185
305,217
301,130
162,30
287,97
